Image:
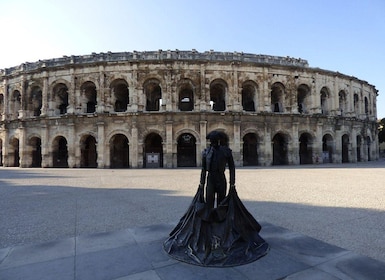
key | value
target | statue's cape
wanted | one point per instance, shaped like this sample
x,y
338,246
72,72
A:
x,y
224,236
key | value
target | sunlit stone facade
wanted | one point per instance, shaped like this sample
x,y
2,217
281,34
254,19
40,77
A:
x,y
154,109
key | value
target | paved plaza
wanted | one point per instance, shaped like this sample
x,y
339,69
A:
x,y
321,221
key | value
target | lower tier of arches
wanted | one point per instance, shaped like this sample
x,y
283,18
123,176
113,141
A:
x,y
169,140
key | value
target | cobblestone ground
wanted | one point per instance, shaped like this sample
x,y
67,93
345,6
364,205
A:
x,y
341,204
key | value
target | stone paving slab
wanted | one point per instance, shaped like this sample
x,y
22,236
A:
x,y
137,253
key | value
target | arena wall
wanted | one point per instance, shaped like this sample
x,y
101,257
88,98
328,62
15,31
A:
x,y
154,109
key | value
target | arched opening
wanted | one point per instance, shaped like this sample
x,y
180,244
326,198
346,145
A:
x,y
60,152
89,94
277,98
120,95
60,93
153,94
368,141
186,97
345,148
35,144
303,95
356,104
248,97
250,149
15,104
119,151
88,154
13,153
186,151
218,95
36,101
366,106
325,101
327,148
342,101
305,149
280,149
153,151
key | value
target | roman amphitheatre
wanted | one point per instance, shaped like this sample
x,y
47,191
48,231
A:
x,y
154,109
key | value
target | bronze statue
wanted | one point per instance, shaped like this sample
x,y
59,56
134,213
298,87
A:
x,y
225,235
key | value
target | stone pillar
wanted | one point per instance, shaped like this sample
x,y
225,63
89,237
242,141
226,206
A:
x,y
236,147
267,156
22,147
204,99
44,106
100,148
203,133
293,147
168,156
317,143
72,94
5,146
100,93
46,161
134,146
71,146
338,147
265,101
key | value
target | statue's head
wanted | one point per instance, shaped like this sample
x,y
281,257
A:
x,y
217,138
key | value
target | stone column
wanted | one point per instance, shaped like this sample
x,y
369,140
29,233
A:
x,y
72,94
100,148
44,106
46,161
5,146
168,155
293,147
236,147
71,146
267,147
22,147
134,146
6,101
265,101
100,94
203,133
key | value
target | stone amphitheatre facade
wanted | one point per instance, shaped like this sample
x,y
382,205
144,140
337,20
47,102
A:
x,y
154,109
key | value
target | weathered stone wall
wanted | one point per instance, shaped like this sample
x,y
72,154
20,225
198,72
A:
x,y
114,109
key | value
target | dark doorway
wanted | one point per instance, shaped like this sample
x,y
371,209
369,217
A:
x,y
280,154
186,151
250,150
305,149
119,151
36,151
153,151
88,152
345,148
60,152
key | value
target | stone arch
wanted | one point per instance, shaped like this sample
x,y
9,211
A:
x,y
280,149
218,89
186,150
327,148
35,151
250,148
249,96
186,95
277,96
153,150
60,152
119,95
88,97
15,104
305,148
88,151
153,92
303,98
13,152
119,151
325,100
36,100
366,105
342,102
345,142
60,98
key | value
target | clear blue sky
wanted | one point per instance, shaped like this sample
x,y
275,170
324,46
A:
x,y
347,36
